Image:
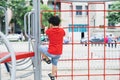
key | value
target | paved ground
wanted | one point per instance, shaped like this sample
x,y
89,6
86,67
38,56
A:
x,y
74,61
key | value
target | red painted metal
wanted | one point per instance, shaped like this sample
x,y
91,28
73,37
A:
x,y
19,55
90,56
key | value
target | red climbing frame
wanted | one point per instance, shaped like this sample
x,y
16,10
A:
x,y
105,75
89,59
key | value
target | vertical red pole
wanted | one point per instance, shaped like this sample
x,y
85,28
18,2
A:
x,y
88,44
119,67
72,45
54,7
104,46
55,15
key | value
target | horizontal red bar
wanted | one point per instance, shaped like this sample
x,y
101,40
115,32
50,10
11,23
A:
x,y
90,59
89,75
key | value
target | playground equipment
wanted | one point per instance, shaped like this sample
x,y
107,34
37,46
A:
x,y
75,59
81,63
12,56
21,55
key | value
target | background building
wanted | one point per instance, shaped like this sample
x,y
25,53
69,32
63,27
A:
x,y
76,15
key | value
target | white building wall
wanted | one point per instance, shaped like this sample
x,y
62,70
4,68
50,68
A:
x,y
95,18
99,14
66,16
77,19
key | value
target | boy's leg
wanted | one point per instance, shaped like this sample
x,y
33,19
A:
x,y
44,53
54,67
44,56
54,70
51,77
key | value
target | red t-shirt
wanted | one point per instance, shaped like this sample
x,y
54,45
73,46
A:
x,y
55,36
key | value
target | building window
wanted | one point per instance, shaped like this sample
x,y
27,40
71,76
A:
x,y
78,8
86,8
109,6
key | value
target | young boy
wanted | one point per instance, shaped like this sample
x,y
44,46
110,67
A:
x,y
54,50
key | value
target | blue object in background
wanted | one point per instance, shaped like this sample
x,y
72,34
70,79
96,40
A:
x,y
78,27
66,41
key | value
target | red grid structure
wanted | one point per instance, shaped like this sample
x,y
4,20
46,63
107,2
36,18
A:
x,y
90,57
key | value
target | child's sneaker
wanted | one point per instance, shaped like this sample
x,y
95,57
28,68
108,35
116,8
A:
x,y
51,77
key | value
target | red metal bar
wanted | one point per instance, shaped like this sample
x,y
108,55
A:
x,y
90,55
104,46
88,43
80,10
19,55
90,75
96,2
119,66
81,59
55,8
72,44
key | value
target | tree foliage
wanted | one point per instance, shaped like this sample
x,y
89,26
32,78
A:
x,y
46,14
19,8
3,3
114,16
